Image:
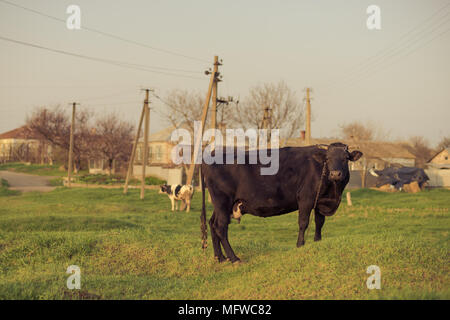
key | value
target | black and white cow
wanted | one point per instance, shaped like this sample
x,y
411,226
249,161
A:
x,y
178,193
308,178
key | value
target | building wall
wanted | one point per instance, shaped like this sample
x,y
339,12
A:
x,y
158,153
172,175
356,180
438,177
441,158
6,145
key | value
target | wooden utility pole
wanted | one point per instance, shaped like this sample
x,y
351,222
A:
x,y
214,108
267,122
198,142
308,117
133,151
146,130
70,164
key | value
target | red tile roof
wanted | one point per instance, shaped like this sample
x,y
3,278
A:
x,y
18,133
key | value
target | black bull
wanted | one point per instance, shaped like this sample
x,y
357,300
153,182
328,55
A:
x,y
294,187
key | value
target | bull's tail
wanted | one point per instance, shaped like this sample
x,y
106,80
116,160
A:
x,y
204,228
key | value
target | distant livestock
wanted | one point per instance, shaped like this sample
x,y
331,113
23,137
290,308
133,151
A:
x,y
178,193
399,178
308,178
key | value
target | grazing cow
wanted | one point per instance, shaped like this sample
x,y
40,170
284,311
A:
x,y
178,193
308,178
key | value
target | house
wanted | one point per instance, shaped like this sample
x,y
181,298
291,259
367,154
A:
x,y
438,169
21,144
440,160
160,162
99,165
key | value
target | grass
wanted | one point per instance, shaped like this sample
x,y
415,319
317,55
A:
x,y
82,177
36,169
132,249
104,179
4,189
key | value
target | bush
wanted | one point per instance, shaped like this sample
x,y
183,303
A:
x,y
154,181
4,183
104,179
4,191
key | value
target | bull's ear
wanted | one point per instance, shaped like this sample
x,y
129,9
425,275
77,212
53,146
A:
x,y
319,156
355,155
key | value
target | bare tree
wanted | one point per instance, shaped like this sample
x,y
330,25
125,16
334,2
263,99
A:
x,y
360,131
357,131
113,139
183,107
444,143
53,126
418,146
284,109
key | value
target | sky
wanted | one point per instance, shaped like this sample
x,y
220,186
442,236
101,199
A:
x,y
397,77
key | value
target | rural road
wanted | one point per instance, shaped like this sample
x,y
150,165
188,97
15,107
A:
x,y
26,182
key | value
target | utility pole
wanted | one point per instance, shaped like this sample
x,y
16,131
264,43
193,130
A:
x,y
198,142
214,107
267,121
308,117
146,130
42,141
222,102
133,151
72,129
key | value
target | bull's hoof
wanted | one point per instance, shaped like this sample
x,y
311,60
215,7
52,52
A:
x,y
300,244
317,239
237,262
220,259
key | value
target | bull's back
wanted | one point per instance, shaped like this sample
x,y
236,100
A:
x,y
263,195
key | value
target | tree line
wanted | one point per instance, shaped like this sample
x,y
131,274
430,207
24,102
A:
x,y
110,138
106,137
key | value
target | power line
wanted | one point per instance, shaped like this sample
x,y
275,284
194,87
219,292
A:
x,y
112,104
106,34
397,46
107,61
391,62
119,94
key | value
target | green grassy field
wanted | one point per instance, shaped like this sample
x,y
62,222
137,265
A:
x,y
37,169
132,249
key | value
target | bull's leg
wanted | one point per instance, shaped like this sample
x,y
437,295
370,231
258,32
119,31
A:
x,y
215,240
222,232
188,205
320,220
304,211
223,206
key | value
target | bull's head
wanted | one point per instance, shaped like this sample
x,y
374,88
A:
x,y
336,156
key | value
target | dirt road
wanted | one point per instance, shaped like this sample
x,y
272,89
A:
x,y
26,182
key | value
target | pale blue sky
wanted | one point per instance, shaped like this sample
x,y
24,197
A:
x,y
322,44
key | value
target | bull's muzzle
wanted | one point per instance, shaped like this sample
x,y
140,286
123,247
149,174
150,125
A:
x,y
336,175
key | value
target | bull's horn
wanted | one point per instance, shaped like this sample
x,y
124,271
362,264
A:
x,y
322,146
372,172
